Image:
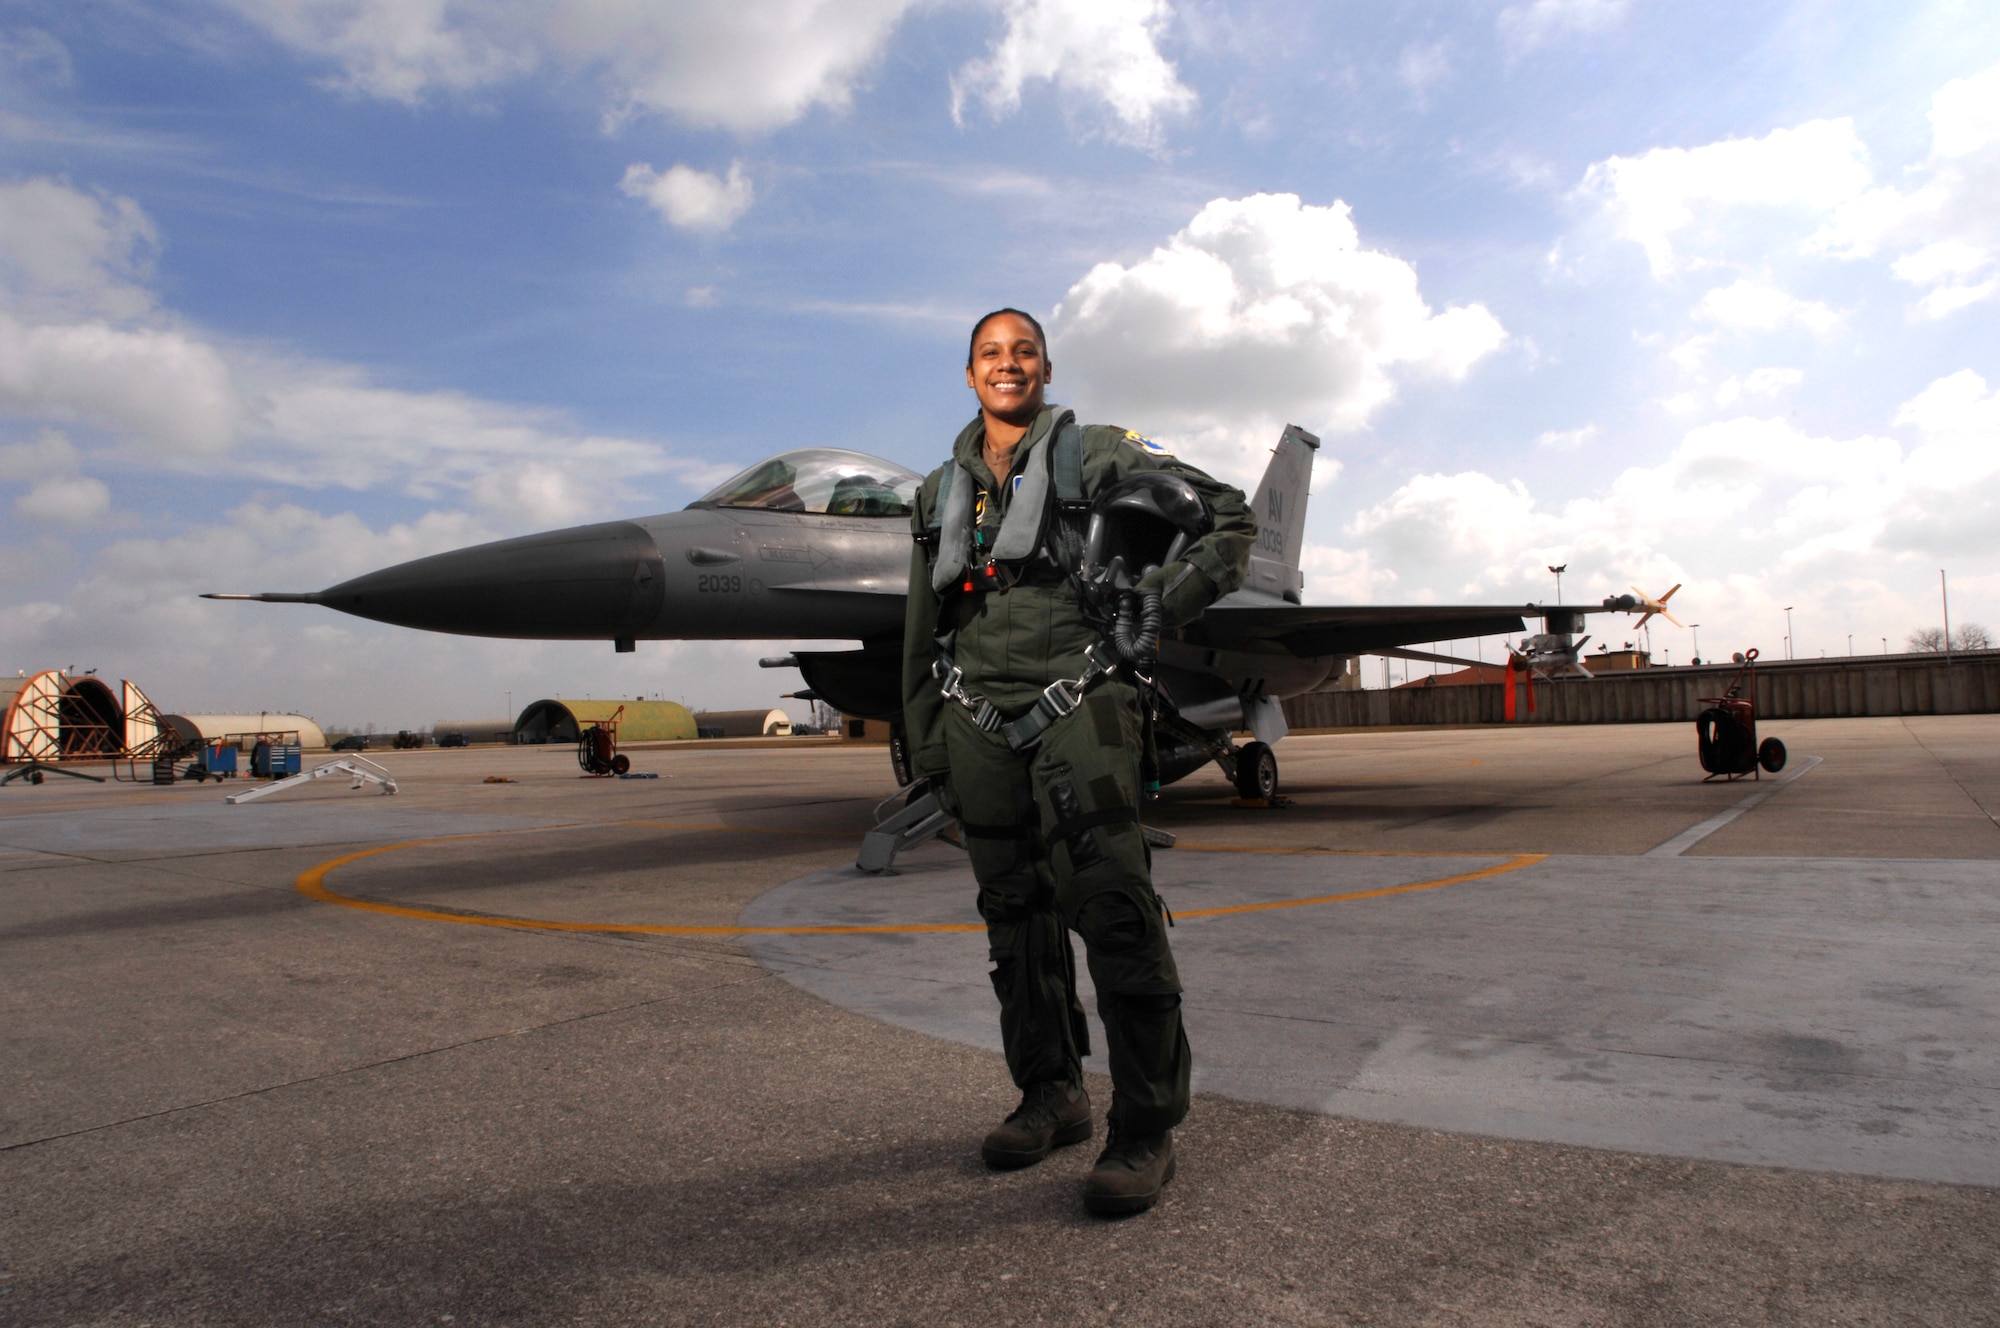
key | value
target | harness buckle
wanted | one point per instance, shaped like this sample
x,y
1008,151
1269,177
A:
x,y
1062,696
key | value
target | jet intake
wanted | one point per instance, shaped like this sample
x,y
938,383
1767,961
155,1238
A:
x,y
601,582
867,682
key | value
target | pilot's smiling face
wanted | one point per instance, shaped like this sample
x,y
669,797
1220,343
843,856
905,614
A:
x,y
1009,372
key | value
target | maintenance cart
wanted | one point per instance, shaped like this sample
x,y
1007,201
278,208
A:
x,y
1726,732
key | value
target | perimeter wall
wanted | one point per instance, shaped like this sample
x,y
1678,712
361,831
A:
x,y
1800,689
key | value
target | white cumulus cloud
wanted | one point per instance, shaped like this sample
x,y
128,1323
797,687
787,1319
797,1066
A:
x,y
162,384
742,65
689,199
1755,306
67,252
82,343
1809,191
1672,200
50,454
745,66
1945,227
56,491
1104,50
1262,310
72,501
1751,513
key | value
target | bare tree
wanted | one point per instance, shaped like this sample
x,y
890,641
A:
x,y
1969,636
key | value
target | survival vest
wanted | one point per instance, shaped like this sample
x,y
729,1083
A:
x,y
1043,523
1043,527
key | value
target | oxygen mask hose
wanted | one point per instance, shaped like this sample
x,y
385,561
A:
x,y
1136,633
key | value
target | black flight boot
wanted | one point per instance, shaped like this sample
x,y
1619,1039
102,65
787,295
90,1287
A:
x,y
1051,1115
1130,1172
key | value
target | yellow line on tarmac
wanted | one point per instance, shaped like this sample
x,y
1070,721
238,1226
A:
x,y
1515,863
312,884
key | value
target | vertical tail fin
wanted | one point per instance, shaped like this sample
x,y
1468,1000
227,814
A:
x,y
1280,507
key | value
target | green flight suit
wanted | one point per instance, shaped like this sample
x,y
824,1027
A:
x,y
1038,878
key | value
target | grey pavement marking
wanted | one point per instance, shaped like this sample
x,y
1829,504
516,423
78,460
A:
x,y
209,824
1822,1014
1694,834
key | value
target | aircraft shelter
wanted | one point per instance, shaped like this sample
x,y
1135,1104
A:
x,y
50,716
743,723
553,720
247,730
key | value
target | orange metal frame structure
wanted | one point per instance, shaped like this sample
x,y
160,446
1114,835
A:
x,y
50,716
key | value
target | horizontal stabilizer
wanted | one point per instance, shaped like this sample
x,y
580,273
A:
x,y
1429,657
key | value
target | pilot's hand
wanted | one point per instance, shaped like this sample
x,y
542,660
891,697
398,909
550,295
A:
x,y
1185,589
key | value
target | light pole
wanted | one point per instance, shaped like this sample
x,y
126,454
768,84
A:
x,y
1944,598
1788,631
1696,629
1850,643
1559,580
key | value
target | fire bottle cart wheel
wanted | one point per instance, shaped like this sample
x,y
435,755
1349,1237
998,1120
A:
x,y
1256,771
1771,755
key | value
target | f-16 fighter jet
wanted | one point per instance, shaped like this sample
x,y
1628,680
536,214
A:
x,y
815,544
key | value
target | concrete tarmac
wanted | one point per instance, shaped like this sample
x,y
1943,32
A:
x,y
1527,1098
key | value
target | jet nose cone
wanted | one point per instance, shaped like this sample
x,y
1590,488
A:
x,y
585,583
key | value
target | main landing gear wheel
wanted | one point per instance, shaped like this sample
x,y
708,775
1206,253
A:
x,y
1256,771
1771,755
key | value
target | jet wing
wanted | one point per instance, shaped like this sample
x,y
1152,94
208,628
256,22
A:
x,y
1318,630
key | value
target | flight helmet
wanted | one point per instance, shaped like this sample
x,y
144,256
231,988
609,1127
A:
x,y
1141,522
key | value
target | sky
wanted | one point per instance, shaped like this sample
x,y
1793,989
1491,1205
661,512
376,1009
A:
x,y
1695,293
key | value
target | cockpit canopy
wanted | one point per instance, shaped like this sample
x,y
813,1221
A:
x,y
826,480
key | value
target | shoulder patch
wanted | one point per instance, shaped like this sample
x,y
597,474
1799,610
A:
x,y
1145,444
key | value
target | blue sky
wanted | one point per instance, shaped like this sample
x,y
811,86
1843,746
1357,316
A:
x,y
290,289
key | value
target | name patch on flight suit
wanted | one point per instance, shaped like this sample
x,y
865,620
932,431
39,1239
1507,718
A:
x,y
1145,444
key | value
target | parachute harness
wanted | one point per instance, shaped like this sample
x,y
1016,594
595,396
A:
x,y
1058,699
1129,618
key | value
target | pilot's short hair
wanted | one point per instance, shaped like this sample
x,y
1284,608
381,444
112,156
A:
x,y
972,345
